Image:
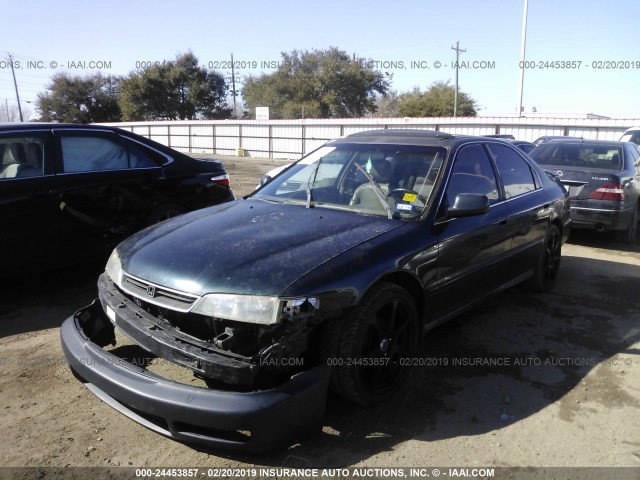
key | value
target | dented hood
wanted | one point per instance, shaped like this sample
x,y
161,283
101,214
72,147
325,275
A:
x,y
246,246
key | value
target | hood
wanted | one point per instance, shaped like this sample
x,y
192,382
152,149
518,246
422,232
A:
x,y
245,246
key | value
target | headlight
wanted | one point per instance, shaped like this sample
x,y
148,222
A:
x,y
254,308
114,268
242,308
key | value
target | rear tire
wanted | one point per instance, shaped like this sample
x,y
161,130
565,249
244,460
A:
x,y
367,349
547,267
630,235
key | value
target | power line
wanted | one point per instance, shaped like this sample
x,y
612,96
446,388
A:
x,y
455,97
523,47
233,83
16,85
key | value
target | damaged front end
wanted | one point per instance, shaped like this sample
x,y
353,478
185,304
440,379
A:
x,y
263,387
243,355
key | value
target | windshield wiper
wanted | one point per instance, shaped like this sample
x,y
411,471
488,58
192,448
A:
x,y
378,191
310,181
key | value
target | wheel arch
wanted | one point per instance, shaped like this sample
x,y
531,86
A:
x,y
410,283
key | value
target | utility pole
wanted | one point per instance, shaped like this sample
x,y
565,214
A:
x,y
15,84
455,98
523,47
233,86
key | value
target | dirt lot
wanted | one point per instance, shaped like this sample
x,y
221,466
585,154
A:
x,y
563,388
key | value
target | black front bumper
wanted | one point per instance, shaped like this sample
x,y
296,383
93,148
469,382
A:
x,y
238,421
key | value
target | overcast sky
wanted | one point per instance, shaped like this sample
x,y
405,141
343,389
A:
x,y
594,45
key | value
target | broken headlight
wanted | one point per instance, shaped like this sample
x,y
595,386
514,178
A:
x,y
257,309
242,308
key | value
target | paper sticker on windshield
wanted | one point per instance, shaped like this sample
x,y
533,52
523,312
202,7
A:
x,y
409,197
404,206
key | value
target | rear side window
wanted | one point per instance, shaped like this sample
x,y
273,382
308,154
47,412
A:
x,y
21,157
516,173
92,153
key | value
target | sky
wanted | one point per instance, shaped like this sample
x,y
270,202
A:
x,y
583,56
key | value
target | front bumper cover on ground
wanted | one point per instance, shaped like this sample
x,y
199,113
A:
x,y
236,421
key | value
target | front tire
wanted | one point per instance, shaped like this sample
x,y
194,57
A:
x,y
547,267
368,348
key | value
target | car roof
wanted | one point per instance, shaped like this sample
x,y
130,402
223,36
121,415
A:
x,y
506,136
411,136
586,142
558,136
548,138
15,126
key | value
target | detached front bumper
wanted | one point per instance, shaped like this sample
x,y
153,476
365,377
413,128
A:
x,y
236,421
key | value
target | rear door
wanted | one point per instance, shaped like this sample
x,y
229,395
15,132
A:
x,y
106,183
530,210
28,207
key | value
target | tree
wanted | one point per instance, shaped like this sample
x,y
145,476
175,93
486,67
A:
x,y
317,84
174,90
388,105
77,99
437,101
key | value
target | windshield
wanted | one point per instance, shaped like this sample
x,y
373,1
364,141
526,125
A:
x,y
581,155
393,181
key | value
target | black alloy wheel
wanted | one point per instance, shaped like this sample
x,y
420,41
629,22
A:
x,y
547,267
630,235
369,350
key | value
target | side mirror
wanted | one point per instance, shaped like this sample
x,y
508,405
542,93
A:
x,y
468,205
264,179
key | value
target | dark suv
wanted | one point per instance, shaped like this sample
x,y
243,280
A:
x,y
325,276
71,191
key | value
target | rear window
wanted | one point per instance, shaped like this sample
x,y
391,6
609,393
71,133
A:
x,y
607,157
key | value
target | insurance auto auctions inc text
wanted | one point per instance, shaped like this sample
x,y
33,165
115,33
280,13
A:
x,y
370,472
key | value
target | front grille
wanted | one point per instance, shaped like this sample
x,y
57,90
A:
x,y
158,295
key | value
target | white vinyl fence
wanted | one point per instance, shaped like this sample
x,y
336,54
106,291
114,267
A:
x,y
294,138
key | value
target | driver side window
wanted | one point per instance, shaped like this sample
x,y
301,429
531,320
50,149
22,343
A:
x,y
472,173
